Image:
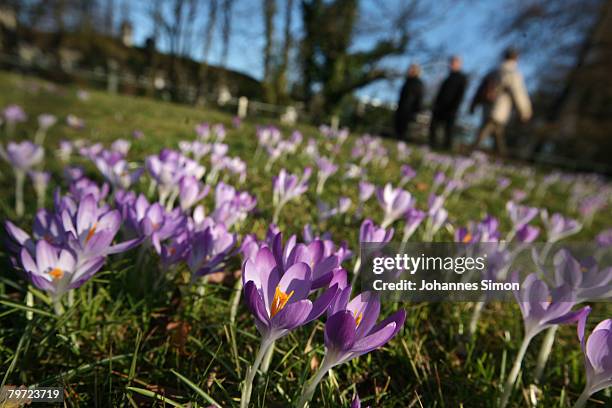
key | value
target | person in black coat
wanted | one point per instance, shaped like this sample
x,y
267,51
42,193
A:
x,y
410,102
447,104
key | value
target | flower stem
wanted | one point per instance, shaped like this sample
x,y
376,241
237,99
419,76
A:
x,y
247,386
545,350
582,399
29,303
19,181
277,210
57,306
509,385
265,364
311,385
235,301
39,137
478,307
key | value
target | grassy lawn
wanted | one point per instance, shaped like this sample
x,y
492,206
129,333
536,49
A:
x,y
136,338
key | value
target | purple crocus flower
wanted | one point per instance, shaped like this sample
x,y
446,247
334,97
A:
x,y
438,179
65,150
56,270
342,252
47,226
369,232
366,190
408,173
286,187
75,122
24,155
118,173
231,206
150,221
520,214
541,308
527,233
321,263
584,277
175,249
435,222
403,151
394,202
249,247
356,402
326,169
503,183
191,191
351,331
519,195
414,217
168,168
209,249
138,134
488,229
91,230
597,350
203,131
559,227
82,187
604,238
351,328
14,114
121,146
435,203
278,300
46,120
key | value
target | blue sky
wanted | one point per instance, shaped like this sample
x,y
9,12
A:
x,y
463,29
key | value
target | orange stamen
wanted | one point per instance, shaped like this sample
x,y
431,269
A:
x,y
91,232
56,273
358,319
279,301
467,238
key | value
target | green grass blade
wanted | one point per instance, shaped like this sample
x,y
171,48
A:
x,y
156,396
197,389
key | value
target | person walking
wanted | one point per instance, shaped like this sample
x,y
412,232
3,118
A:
x,y
447,104
410,102
500,91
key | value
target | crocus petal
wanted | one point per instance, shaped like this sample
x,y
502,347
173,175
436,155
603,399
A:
x,y
46,256
340,302
124,246
86,214
340,331
381,333
366,305
27,262
66,261
296,279
19,235
255,303
321,304
292,315
598,348
86,271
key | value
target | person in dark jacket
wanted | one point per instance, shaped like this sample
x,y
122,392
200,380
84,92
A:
x,y
447,104
410,102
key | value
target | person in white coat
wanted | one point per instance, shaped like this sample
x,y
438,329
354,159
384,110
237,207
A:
x,y
499,93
